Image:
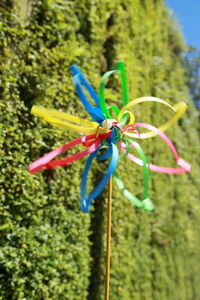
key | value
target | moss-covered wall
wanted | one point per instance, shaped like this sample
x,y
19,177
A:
x,y
49,248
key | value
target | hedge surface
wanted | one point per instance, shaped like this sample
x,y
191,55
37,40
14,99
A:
x,y
49,248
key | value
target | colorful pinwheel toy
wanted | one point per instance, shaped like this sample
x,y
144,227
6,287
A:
x,y
105,132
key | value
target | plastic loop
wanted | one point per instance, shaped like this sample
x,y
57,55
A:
x,y
120,68
95,112
185,166
87,201
67,121
75,71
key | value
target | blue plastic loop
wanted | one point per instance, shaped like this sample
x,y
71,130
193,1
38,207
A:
x,y
87,201
79,81
105,155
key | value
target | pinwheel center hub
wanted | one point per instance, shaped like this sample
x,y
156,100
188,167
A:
x,y
108,123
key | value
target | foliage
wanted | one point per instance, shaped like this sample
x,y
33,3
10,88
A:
x,y
49,248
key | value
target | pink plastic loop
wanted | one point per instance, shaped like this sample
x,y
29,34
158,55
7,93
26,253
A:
x,y
131,128
185,165
118,125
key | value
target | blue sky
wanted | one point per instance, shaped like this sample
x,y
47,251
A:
x,y
188,14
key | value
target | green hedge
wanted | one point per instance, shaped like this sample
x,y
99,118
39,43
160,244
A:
x,y
49,248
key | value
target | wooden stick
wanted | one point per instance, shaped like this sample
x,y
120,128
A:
x,y
107,279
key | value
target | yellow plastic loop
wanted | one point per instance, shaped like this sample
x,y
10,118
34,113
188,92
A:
x,y
178,108
66,121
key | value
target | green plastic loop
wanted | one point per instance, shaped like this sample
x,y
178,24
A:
x,y
128,148
101,92
115,109
120,68
146,202
145,168
118,136
124,119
